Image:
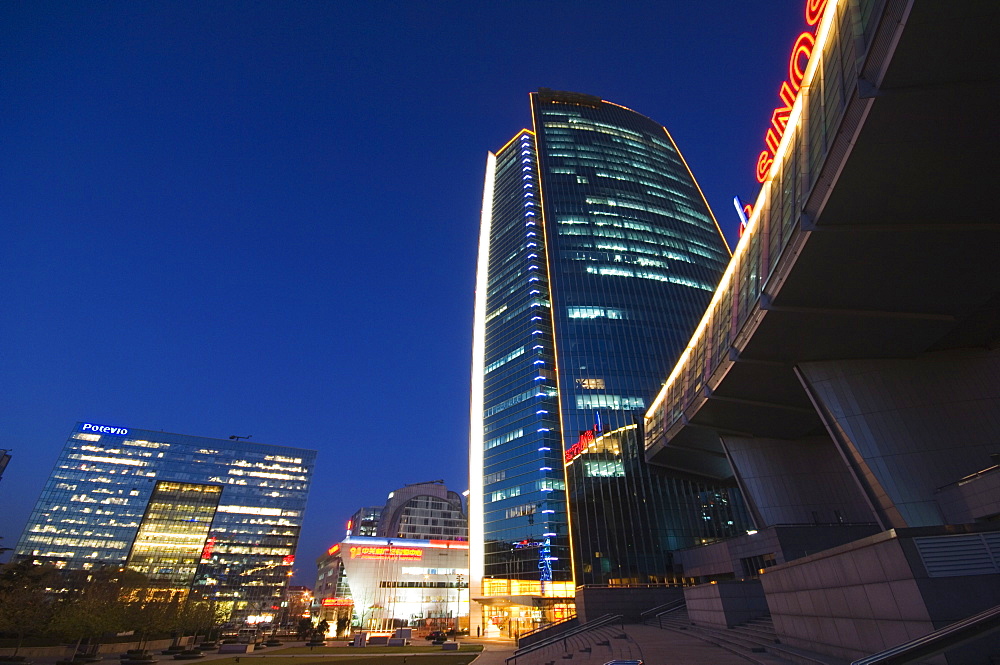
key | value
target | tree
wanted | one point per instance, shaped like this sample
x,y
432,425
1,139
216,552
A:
x,y
343,621
200,616
97,602
87,614
321,629
24,607
305,628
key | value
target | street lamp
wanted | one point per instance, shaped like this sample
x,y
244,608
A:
x,y
458,605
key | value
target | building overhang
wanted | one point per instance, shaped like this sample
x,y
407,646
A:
x,y
898,256
522,601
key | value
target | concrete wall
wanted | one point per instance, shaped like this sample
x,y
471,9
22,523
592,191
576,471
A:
x,y
786,543
972,500
728,603
796,482
66,651
911,426
871,595
630,602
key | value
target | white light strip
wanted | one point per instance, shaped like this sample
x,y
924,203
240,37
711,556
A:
x,y
822,36
477,519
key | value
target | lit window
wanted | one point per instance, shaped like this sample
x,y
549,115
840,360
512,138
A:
x,y
590,384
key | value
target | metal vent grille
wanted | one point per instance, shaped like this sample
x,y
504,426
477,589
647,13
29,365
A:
x,y
951,556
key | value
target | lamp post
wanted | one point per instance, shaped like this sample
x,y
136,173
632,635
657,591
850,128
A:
x,y
458,605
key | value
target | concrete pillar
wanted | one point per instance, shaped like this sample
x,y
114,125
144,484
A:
x,y
910,426
804,481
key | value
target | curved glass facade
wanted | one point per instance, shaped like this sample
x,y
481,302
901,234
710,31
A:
x,y
598,257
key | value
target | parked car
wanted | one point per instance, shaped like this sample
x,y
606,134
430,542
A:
x,y
437,636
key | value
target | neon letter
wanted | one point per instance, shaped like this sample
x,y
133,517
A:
x,y
803,47
779,117
814,11
772,139
764,161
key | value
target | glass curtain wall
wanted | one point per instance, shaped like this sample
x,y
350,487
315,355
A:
x,y
172,533
629,517
105,482
526,530
635,256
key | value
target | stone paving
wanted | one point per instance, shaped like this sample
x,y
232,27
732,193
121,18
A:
x,y
653,645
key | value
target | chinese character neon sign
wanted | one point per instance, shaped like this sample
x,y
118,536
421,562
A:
x,y
802,51
386,552
581,444
206,551
337,602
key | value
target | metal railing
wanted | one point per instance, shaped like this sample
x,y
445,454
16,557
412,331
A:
x,y
944,639
561,637
555,625
662,609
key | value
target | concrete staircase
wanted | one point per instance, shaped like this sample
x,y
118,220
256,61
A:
x,y
755,640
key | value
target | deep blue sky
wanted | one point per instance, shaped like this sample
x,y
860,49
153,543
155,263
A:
x,y
261,217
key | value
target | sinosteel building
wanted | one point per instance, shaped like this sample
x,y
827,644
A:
x,y
215,516
597,256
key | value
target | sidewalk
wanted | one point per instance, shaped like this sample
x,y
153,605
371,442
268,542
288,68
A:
x,y
495,651
652,645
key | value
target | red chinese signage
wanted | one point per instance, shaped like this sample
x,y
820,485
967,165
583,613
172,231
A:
x,y
802,51
337,602
206,551
449,544
386,552
333,550
581,444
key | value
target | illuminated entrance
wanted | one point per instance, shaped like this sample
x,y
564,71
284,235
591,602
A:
x,y
511,608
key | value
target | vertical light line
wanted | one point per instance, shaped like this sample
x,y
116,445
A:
x,y
477,526
727,282
711,214
552,323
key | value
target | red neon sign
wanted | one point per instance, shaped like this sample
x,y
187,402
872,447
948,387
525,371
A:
x,y
337,602
450,544
802,51
386,552
333,550
581,444
206,551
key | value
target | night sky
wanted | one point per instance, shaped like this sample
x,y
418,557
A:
x,y
260,218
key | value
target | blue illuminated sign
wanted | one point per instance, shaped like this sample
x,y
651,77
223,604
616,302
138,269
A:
x,y
741,211
103,429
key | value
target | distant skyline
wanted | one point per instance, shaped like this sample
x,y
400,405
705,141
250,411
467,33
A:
x,y
261,218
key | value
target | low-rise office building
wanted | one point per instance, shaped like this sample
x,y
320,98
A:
x,y
414,572
219,518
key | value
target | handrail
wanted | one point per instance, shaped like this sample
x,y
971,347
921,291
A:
x,y
662,609
942,639
548,626
969,478
596,623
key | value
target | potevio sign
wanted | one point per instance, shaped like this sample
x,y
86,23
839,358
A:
x,y
802,51
103,429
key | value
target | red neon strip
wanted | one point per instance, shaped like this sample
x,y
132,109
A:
x,y
814,11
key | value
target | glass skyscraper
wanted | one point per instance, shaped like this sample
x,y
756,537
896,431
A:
x,y
597,257
217,517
